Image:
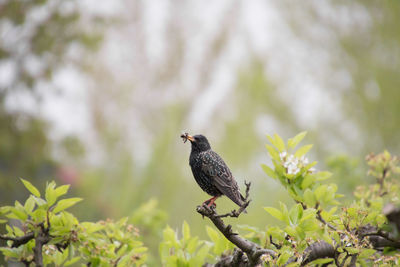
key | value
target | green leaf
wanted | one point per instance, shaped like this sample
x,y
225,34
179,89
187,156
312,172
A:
x,y
293,142
92,227
71,261
309,179
31,188
309,198
212,234
185,231
352,250
61,190
309,225
66,203
192,244
17,214
50,195
29,204
320,192
320,176
365,253
170,236
280,145
296,212
321,261
285,213
269,171
283,258
273,153
275,213
303,150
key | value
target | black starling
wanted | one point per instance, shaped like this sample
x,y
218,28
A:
x,y
210,171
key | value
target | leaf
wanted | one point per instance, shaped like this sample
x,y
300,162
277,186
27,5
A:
x,y
50,194
309,225
17,214
308,180
61,190
40,201
170,236
352,250
269,171
285,213
303,150
66,203
192,244
275,213
185,231
293,142
273,153
367,252
92,227
309,198
29,204
212,234
321,261
320,176
283,258
31,188
320,192
71,261
280,145
296,212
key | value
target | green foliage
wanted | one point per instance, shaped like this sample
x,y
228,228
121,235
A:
x,y
63,239
317,215
187,251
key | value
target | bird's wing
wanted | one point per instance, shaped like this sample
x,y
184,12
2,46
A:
x,y
214,166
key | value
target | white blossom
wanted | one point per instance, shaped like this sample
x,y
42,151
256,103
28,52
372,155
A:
x,y
304,160
291,163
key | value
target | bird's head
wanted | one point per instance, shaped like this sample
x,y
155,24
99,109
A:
x,y
199,142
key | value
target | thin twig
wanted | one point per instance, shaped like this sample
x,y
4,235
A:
x,y
319,217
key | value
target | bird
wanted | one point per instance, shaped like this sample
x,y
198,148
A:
x,y
211,172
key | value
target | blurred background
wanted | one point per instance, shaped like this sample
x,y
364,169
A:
x,y
96,93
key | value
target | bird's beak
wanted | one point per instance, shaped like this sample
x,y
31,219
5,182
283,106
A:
x,y
190,138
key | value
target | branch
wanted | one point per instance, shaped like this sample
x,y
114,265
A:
x,y
20,240
236,213
319,217
252,250
42,238
377,237
392,213
318,250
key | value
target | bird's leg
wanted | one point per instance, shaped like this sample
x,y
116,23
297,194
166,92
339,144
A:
x,y
211,201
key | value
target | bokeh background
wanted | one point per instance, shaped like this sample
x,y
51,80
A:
x,y
96,93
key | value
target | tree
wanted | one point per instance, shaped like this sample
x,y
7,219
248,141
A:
x,y
317,229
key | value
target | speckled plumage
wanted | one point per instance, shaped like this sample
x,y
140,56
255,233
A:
x,y
211,172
